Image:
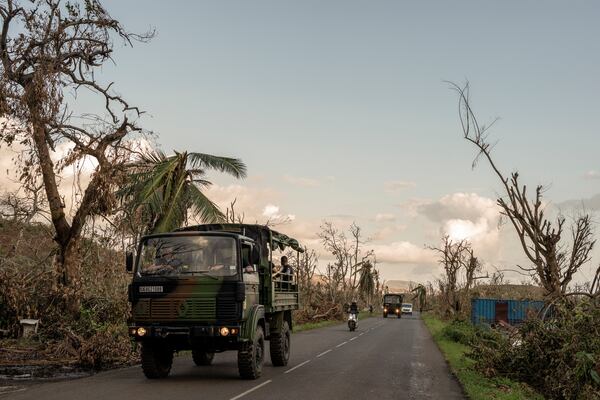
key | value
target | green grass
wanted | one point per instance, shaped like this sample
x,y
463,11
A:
x,y
476,386
322,324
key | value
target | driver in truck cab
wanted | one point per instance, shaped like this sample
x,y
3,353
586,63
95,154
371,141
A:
x,y
164,263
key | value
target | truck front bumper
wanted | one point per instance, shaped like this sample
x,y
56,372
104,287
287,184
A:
x,y
142,332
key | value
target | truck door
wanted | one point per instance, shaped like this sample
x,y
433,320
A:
x,y
250,275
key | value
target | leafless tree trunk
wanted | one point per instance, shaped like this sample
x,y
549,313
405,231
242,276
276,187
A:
x,y
344,272
231,216
554,263
48,48
452,258
305,266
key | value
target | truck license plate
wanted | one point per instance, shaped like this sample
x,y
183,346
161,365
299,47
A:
x,y
151,289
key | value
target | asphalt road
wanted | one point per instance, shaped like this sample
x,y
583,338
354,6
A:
x,y
384,359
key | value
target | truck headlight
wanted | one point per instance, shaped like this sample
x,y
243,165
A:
x,y
141,331
224,331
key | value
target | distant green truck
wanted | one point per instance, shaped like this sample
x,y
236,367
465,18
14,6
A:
x,y
392,304
208,289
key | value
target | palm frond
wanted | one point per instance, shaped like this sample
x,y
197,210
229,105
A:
x,y
173,209
201,205
152,157
231,166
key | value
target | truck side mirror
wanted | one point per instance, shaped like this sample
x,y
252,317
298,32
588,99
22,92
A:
x,y
255,256
129,261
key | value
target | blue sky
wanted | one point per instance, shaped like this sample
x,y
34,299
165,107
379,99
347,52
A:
x,y
330,101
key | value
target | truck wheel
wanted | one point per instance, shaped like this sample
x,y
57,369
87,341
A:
x,y
202,357
251,356
399,315
156,361
280,346
384,315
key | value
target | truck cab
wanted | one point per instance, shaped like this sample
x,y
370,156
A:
x,y
392,304
209,289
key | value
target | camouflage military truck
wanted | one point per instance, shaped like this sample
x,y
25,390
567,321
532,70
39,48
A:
x,y
392,304
208,289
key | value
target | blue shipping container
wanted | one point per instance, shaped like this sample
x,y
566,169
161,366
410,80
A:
x,y
515,312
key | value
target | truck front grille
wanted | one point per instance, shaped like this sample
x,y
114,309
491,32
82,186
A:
x,y
227,309
177,309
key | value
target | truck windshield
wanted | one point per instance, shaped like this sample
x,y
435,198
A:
x,y
391,299
189,255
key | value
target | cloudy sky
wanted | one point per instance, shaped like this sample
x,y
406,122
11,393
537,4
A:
x,y
340,110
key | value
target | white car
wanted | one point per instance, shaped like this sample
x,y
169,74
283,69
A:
x,y
407,308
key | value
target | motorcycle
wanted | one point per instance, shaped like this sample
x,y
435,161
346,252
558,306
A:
x,y
352,321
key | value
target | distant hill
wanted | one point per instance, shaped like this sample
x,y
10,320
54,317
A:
x,y
398,286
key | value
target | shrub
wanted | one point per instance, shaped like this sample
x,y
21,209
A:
x,y
560,357
459,331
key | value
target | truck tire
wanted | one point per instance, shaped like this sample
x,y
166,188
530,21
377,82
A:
x,y
251,356
156,361
202,357
384,315
399,315
280,346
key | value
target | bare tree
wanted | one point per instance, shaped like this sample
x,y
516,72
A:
x,y
231,216
49,52
349,259
472,267
305,265
452,256
24,204
554,262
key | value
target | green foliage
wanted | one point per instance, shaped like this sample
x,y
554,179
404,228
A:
x,y
476,385
560,357
459,331
366,282
161,189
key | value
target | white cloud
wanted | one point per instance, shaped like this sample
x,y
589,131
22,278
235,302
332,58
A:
x,y
387,232
467,216
592,174
72,180
467,206
396,186
270,210
403,253
252,203
384,217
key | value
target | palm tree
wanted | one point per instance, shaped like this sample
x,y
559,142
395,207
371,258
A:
x,y
162,189
421,294
366,282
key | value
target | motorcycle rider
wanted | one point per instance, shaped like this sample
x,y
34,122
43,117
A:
x,y
353,317
353,308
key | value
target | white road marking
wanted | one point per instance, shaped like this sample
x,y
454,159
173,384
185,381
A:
x,y
341,344
323,353
297,366
361,334
250,390
11,389
351,339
